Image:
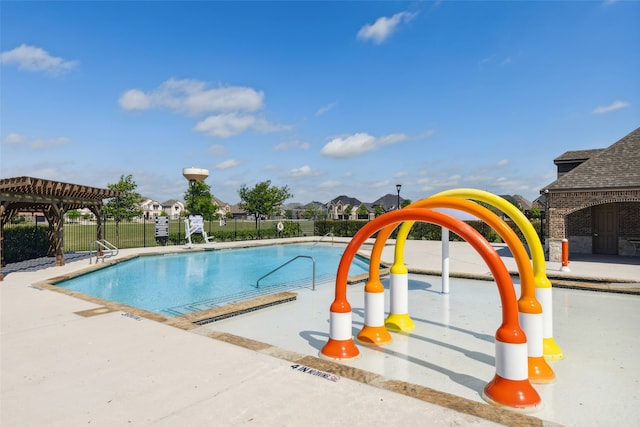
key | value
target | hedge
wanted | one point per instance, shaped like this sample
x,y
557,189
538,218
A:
x,y
23,242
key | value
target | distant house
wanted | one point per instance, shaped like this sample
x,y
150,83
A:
x,y
173,208
150,208
519,201
224,208
237,212
343,207
388,202
595,200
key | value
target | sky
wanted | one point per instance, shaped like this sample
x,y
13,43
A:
x,y
328,98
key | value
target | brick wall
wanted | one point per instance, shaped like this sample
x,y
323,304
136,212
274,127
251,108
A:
x,y
569,214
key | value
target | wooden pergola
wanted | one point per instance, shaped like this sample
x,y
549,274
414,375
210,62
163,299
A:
x,y
53,199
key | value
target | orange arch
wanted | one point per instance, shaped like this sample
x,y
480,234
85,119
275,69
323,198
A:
x,y
527,302
509,331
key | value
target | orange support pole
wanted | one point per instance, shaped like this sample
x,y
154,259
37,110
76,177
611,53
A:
x,y
565,255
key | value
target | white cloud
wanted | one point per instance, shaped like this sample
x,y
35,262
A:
x,y
329,184
14,139
227,164
507,61
382,29
326,108
265,126
46,143
193,97
217,149
359,143
502,162
33,58
291,144
303,172
233,106
39,143
430,184
225,125
380,184
615,105
135,99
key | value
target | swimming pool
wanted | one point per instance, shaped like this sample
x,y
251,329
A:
x,y
177,284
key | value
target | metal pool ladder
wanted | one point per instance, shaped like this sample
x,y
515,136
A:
x,y
289,262
322,238
108,250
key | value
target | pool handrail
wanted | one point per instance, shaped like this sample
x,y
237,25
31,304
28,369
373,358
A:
x,y
321,238
103,247
313,283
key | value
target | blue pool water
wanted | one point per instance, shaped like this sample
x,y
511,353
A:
x,y
175,284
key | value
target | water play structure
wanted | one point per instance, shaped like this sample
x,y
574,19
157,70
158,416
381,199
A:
x,y
542,284
523,336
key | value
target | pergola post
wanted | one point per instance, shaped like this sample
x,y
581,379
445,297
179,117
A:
x,y
2,221
97,211
55,217
27,194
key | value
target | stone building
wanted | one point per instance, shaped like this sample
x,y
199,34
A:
x,y
595,201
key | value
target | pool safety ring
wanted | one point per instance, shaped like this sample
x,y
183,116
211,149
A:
x,y
280,226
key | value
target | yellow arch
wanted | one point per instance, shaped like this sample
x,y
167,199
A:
x,y
527,302
530,235
551,349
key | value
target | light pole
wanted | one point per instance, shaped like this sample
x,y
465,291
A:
x,y
398,187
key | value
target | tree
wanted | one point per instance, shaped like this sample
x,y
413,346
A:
x,y
534,213
405,203
377,210
347,212
263,199
363,212
199,200
126,206
311,211
73,215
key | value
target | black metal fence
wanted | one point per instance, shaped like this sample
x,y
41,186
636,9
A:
x,y
27,241
30,240
142,233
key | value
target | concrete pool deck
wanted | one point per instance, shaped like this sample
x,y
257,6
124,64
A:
x,y
69,361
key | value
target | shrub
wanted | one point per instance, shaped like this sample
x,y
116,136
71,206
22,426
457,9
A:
x,y
15,237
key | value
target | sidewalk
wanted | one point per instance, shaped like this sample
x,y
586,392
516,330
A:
x,y
67,362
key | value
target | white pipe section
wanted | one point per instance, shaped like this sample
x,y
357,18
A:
x,y
445,260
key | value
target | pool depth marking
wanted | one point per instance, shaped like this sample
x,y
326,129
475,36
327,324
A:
x,y
510,386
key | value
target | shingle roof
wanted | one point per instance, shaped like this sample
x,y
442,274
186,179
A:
x,y
346,200
388,202
517,199
572,156
616,167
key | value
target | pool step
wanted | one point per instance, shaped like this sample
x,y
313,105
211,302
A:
x,y
265,289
